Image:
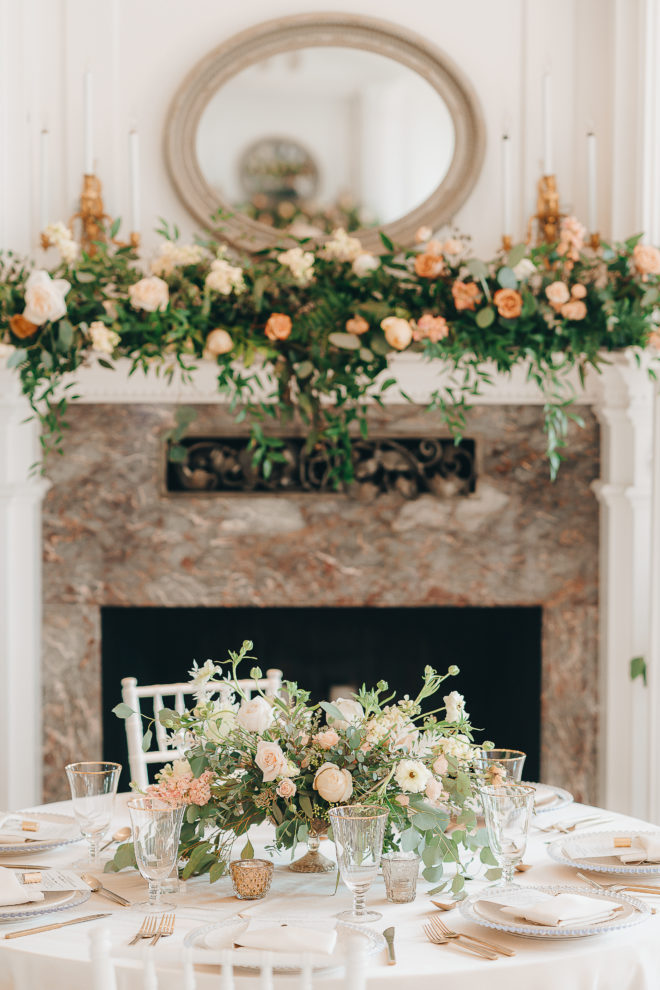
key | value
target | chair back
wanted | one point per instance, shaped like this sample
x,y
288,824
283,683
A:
x,y
169,747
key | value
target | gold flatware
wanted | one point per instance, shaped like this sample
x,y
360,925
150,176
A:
x,y
97,887
450,933
470,947
388,935
148,929
165,928
617,887
119,836
523,867
24,866
444,905
564,827
60,924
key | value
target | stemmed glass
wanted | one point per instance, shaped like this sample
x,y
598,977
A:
x,y
93,789
156,826
508,810
511,761
358,831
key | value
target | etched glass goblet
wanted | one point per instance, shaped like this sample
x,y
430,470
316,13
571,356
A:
x,y
156,828
508,811
93,789
358,831
506,764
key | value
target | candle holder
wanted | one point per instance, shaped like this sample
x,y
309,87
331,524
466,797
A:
x,y
594,241
507,243
547,217
91,214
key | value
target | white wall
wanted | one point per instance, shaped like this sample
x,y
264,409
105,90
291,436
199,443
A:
x,y
140,50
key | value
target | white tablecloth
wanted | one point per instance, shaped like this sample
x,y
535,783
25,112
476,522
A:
x,y
59,960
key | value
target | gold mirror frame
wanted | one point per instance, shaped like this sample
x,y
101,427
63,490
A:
x,y
333,30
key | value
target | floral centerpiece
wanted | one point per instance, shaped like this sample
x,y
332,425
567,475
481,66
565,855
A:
x,y
288,761
305,332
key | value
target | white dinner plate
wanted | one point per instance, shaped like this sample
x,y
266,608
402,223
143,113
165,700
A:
x,y
550,798
54,900
595,851
214,938
70,834
477,909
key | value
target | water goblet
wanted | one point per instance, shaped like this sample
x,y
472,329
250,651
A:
x,y
156,827
358,831
508,810
93,789
506,764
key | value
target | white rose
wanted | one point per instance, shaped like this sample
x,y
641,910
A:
x,y
412,776
225,278
351,710
524,269
271,760
217,342
334,785
104,339
219,726
398,332
44,298
365,263
255,715
150,293
455,705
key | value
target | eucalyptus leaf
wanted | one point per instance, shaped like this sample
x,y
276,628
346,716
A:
x,y
17,357
485,317
146,740
477,268
380,346
410,839
348,341
433,873
65,334
507,278
304,369
122,710
516,254
247,852
218,870
85,277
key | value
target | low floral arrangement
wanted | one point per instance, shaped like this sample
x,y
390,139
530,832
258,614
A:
x,y
287,761
306,333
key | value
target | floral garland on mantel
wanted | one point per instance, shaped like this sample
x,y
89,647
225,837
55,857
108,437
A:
x,y
305,333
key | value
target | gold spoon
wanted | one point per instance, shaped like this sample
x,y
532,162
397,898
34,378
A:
x,y
445,905
97,887
119,836
523,867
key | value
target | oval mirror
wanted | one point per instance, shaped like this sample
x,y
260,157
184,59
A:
x,y
306,124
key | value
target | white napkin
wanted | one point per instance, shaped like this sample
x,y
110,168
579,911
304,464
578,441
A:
x,y
12,891
564,909
544,795
648,853
287,938
11,832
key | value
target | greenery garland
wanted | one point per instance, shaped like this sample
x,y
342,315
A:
x,y
304,333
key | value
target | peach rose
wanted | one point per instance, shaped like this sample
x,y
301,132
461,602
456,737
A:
x,y
429,327
429,265
334,785
466,295
574,310
646,260
149,294
452,246
271,760
327,739
357,325
403,800
22,328
278,326
557,294
398,332
654,339
423,234
440,766
434,789
579,291
286,788
217,342
508,302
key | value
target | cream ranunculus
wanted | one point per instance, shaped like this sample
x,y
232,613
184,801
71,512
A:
x,y
300,263
455,706
150,294
341,246
412,776
365,263
44,298
225,278
104,339
255,715
334,785
351,711
398,332
270,759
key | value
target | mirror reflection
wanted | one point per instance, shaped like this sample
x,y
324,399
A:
x,y
321,137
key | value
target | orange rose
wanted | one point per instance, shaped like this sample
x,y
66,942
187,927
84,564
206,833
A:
x,y
579,291
558,294
508,302
429,327
574,310
278,326
22,328
466,294
429,265
357,325
646,260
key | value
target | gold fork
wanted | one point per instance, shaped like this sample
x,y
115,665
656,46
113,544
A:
x,y
476,950
572,826
165,928
149,926
450,933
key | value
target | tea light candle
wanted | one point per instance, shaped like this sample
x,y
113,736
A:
x,y
251,878
592,187
506,185
547,124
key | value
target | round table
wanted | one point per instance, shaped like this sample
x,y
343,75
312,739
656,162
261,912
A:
x,y
626,960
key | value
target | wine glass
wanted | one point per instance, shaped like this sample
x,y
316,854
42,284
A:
x,y
358,831
93,789
156,826
508,810
506,764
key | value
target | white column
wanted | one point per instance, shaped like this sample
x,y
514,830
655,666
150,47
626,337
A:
x,y
20,600
625,412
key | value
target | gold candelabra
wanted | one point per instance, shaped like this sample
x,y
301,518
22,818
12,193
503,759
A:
x,y
93,219
547,217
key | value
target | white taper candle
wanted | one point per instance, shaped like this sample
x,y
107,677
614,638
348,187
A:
x,y
44,181
134,169
88,123
592,184
547,124
507,221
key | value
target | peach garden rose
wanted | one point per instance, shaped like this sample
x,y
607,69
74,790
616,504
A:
x,y
557,294
278,326
398,332
646,260
466,295
508,303
271,760
334,785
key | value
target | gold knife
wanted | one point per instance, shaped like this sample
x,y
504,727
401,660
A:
x,y
60,924
388,934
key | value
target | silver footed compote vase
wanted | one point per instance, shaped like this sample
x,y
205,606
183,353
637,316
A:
x,y
314,861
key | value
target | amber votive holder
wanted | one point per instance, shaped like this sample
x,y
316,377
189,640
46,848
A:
x,y
251,878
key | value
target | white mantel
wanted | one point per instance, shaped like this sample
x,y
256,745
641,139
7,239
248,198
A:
x,y
629,496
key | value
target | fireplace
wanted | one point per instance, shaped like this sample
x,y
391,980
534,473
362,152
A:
x,y
332,650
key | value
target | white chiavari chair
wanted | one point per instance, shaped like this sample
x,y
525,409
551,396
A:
x,y
169,747
103,969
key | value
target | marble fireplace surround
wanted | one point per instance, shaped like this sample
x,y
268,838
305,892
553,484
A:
x,y
110,536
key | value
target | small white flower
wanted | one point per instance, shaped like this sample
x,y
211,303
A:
x,y
300,263
524,269
457,746
172,255
225,278
150,294
104,340
342,247
412,776
455,705
365,263
44,297
59,235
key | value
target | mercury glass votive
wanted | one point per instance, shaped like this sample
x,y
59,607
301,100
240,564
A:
x,y
251,878
400,871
